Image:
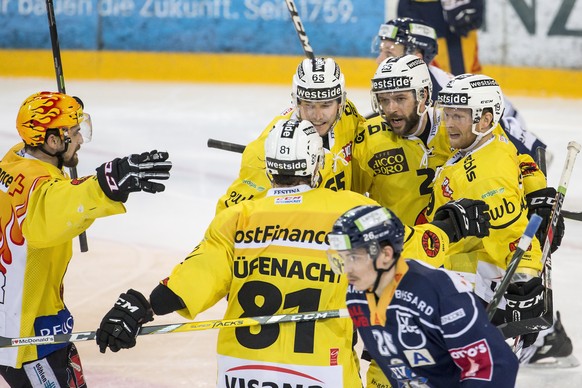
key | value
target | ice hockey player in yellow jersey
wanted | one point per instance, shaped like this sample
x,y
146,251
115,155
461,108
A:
x,y
41,211
319,96
397,152
485,166
269,256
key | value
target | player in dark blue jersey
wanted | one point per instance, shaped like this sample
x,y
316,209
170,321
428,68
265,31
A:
x,y
421,325
456,23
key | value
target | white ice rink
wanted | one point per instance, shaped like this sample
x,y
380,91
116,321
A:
x,y
137,249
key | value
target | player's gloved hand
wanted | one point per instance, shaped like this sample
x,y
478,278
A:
x,y
122,323
540,202
133,173
462,218
463,15
525,300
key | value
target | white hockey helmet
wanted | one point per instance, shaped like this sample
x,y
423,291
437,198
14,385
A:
x,y
476,92
398,74
319,79
294,148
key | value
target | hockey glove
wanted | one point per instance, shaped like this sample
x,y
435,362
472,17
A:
x,y
122,323
462,218
525,300
133,173
463,15
540,202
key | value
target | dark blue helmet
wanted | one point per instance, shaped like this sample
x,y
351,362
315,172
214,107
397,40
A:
x,y
367,227
414,34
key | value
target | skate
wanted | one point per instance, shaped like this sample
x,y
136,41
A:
x,y
552,349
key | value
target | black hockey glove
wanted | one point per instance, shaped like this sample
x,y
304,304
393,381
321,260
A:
x,y
462,218
525,300
122,323
463,15
133,173
540,202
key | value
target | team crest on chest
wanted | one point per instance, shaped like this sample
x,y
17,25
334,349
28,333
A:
x,y
409,335
447,190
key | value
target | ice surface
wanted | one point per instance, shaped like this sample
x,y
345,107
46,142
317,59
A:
x,y
138,249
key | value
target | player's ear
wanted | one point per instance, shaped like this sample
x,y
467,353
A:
x,y
385,260
486,120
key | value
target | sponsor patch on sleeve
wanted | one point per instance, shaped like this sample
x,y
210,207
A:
x,y
474,360
452,317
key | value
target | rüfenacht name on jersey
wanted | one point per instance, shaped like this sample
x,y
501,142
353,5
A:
x,y
283,268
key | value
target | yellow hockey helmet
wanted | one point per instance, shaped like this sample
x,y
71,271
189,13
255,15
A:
x,y
46,110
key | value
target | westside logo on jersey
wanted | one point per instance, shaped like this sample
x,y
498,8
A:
x,y
389,162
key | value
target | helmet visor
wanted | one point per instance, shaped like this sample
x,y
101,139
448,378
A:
x,y
337,243
338,259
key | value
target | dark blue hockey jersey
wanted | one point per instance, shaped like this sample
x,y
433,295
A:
x,y
428,329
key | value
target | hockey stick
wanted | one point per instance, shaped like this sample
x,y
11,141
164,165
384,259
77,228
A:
x,y
300,30
182,327
576,216
522,246
224,145
516,328
61,87
541,161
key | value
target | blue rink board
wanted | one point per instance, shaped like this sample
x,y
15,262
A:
x,y
334,27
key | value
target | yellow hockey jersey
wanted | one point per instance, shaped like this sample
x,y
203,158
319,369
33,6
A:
x,y
252,182
41,211
398,172
491,173
269,257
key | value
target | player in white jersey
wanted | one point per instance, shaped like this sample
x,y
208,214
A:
x,y
41,210
268,256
